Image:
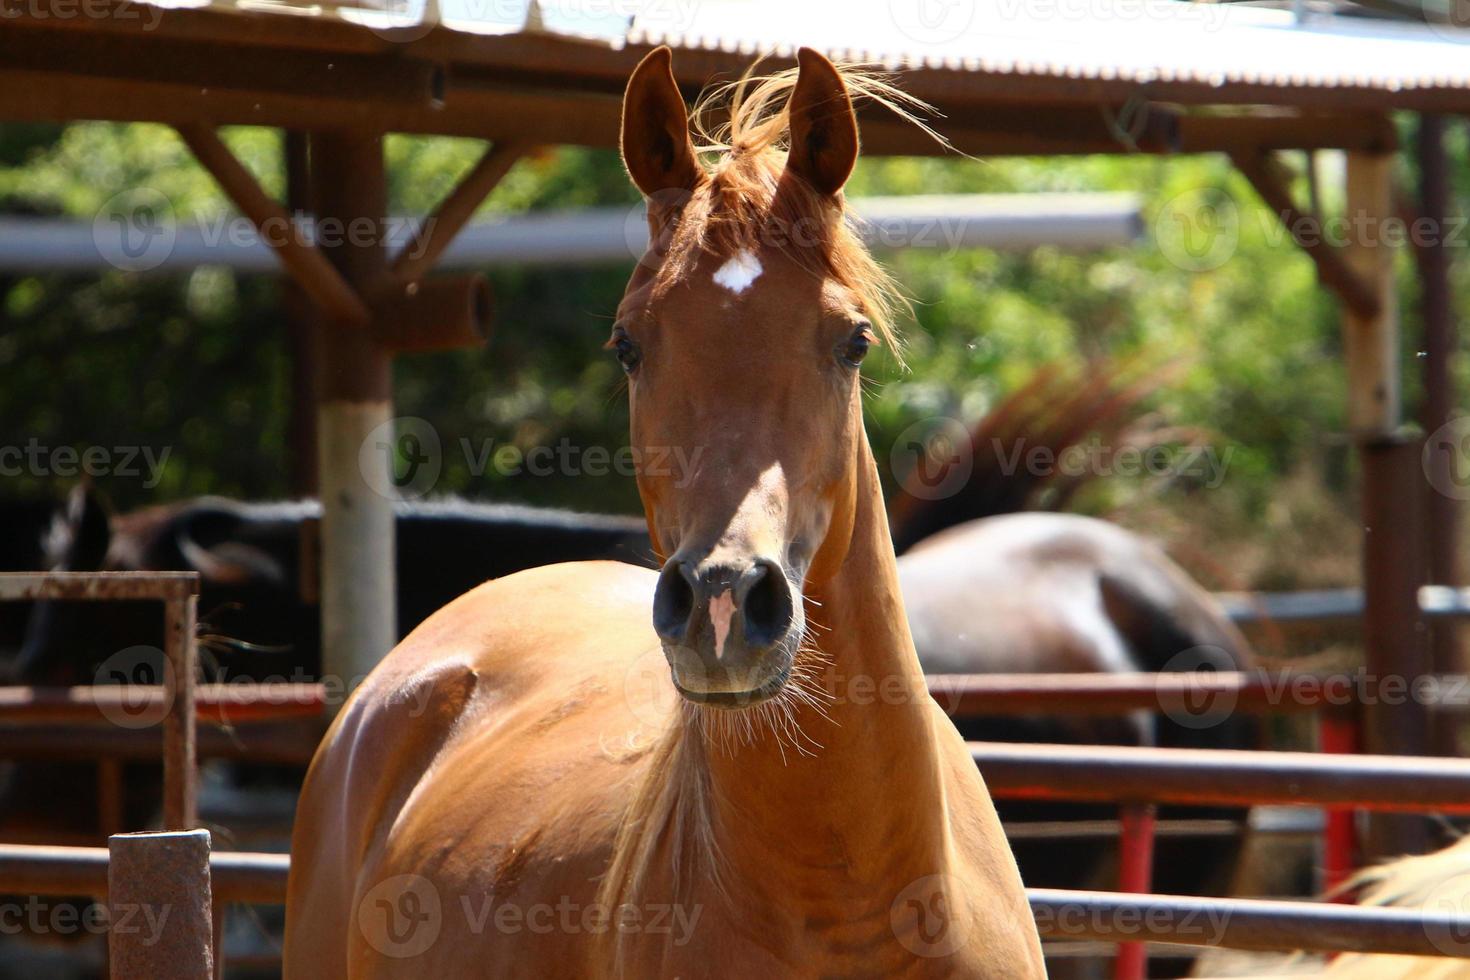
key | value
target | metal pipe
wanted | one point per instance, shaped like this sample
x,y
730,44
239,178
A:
x,y
245,877
1060,914
1117,774
180,762
1236,923
215,704
605,235
35,586
1135,876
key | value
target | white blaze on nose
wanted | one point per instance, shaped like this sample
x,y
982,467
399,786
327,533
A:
x,y
737,274
721,611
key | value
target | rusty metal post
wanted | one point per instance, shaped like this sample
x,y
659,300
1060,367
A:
x,y
1438,345
180,765
1337,734
1394,647
354,414
159,906
1392,628
1137,822
296,306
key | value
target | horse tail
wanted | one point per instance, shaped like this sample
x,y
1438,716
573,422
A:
x,y
1055,410
1434,882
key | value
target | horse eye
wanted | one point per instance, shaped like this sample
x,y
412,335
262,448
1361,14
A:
x,y
625,350
855,348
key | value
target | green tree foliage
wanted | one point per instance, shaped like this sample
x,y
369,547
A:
x,y
198,363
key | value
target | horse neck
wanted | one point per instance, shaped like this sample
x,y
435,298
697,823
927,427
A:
x,y
860,789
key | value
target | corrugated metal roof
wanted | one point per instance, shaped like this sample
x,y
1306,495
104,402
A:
x,y
1138,41
1135,41
552,71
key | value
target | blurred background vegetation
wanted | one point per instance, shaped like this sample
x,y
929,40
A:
x,y
198,363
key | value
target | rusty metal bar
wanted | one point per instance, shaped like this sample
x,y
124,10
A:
x,y
180,762
1197,694
1237,923
215,704
1107,916
455,211
159,905
307,266
1116,774
290,742
1135,877
245,877
1438,344
1337,734
1393,636
33,586
1333,269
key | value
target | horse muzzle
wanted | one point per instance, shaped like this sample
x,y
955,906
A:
x,y
729,628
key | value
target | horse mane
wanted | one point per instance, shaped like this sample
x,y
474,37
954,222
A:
x,y
745,127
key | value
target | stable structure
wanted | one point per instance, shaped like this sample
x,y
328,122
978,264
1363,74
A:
x,y
1156,77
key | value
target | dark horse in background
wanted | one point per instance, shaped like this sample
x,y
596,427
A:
x,y
988,589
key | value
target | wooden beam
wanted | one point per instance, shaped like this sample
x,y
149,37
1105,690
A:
x,y
454,212
1357,291
307,266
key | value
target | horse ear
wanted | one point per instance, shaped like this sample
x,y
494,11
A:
x,y
656,147
824,133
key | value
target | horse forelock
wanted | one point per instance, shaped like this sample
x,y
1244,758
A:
x,y
746,202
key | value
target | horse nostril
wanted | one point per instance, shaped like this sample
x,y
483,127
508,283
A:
x,y
765,603
673,601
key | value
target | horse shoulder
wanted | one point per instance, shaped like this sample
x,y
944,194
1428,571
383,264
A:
x,y
491,699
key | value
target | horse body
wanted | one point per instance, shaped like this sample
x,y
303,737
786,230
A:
x,y
801,829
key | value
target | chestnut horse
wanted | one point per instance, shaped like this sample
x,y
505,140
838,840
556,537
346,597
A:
x,y
525,788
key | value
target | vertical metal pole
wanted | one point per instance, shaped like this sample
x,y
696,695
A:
x,y
354,385
179,763
1337,734
158,901
1441,511
1135,876
1393,641
301,429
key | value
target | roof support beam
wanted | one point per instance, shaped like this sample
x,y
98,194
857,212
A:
x,y
454,212
1333,269
307,266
